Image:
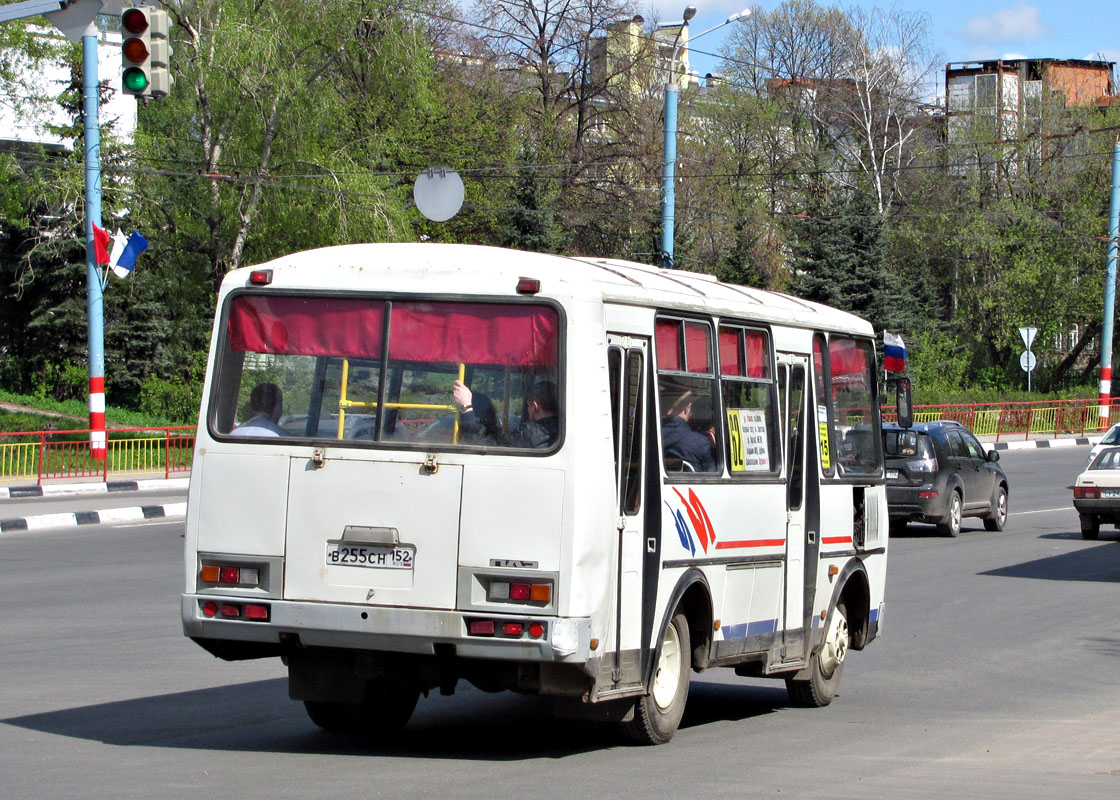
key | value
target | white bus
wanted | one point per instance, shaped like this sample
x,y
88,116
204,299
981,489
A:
x,y
584,478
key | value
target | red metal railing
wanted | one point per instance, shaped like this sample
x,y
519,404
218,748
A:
x,y
46,455
1030,418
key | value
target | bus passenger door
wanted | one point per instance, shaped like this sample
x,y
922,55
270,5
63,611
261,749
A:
x,y
792,370
626,359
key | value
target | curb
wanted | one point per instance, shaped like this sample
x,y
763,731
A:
x,y
14,492
1034,444
75,518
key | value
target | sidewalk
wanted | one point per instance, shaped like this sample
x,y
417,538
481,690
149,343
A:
x,y
1042,440
110,515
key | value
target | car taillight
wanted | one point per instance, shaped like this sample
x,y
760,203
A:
x,y
1087,492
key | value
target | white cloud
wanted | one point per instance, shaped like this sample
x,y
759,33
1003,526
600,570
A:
x,y
1014,56
1020,22
1106,53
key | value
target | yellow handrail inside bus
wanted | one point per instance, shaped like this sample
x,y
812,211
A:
x,y
344,403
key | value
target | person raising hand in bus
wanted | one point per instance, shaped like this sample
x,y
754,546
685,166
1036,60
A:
x,y
539,428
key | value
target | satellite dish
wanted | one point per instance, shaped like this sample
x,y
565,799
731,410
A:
x,y
438,193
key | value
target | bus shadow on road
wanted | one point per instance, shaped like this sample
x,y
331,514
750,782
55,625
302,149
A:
x,y
259,717
1097,561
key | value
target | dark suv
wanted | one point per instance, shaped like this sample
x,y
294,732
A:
x,y
938,472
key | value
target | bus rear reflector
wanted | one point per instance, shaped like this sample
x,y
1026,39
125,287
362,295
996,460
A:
x,y
210,609
481,627
256,611
230,610
513,629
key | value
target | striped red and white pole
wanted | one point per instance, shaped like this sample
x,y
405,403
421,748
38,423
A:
x,y
1106,393
97,441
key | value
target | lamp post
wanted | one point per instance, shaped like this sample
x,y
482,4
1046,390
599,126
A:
x,y
669,169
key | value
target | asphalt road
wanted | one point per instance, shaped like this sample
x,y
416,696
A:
x,y
996,677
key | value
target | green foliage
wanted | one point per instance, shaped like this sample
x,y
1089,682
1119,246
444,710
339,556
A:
x,y
175,398
75,413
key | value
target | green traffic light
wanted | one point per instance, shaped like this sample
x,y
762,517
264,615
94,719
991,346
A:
x,y
135,80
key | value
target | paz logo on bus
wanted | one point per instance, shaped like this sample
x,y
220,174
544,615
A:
x,y
512,562
701,529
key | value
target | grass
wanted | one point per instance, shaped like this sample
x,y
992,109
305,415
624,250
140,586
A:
x,y
74,415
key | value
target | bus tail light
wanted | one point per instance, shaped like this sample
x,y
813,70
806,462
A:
x,y
229,575
519,592
506,629
256,612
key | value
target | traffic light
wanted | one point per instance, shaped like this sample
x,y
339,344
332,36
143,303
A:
x,y
136,51
146,52
161,53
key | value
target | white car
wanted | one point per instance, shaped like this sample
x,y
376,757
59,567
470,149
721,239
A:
x,y
1096,493
1111,439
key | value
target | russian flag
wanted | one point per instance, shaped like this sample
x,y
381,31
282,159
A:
x,y
125,253
894,353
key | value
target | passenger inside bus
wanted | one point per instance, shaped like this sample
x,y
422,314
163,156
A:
x,y
682,445
540,428
266,402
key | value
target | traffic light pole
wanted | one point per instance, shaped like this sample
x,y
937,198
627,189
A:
x,y
94,301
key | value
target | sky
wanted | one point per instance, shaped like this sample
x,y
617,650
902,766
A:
x,y
959,30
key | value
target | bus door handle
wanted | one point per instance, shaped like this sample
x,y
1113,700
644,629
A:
x,y
318,457
812,537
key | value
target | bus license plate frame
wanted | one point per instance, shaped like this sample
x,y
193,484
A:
x,y
370,556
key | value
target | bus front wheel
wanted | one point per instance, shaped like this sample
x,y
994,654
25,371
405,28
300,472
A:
x,y
658,713
825,666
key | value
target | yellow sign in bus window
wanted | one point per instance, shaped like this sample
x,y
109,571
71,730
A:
x,y
748,439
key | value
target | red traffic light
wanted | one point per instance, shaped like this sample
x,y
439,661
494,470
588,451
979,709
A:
x,y
135,20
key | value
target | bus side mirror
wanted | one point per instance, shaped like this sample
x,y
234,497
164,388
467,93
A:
x,y
904,404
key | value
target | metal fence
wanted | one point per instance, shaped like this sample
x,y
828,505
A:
x,y
46,455
1026,419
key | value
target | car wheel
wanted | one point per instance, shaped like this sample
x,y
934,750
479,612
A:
x,y
951,526
1090,526
657,714
825,667
997,517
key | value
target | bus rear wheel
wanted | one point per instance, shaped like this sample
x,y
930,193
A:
x,y
658,714
385,710
825,666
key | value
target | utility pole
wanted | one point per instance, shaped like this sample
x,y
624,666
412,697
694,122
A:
x,y
1110,289
672,91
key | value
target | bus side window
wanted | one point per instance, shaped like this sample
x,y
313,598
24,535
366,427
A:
x,y
686,389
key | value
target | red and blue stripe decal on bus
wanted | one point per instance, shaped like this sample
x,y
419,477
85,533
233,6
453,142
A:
x,y
698,528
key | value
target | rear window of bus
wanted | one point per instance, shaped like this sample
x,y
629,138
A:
x,y
370,371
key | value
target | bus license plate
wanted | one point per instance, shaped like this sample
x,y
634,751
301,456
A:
x,y
370,555
892,474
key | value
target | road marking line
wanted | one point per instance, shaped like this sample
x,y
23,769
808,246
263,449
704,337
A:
x,y
1039,511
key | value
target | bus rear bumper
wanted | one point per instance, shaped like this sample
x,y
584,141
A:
x,y
294,624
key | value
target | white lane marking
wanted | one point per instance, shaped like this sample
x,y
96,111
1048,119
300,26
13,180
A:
x,y
1040,511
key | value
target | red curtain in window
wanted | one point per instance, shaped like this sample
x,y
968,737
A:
x,y
758,357
729,361
310,326
696,336
476,333
667,336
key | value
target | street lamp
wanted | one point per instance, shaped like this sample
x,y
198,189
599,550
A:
x,y
672,89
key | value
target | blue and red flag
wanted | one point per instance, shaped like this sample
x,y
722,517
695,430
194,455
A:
x,y
894,353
